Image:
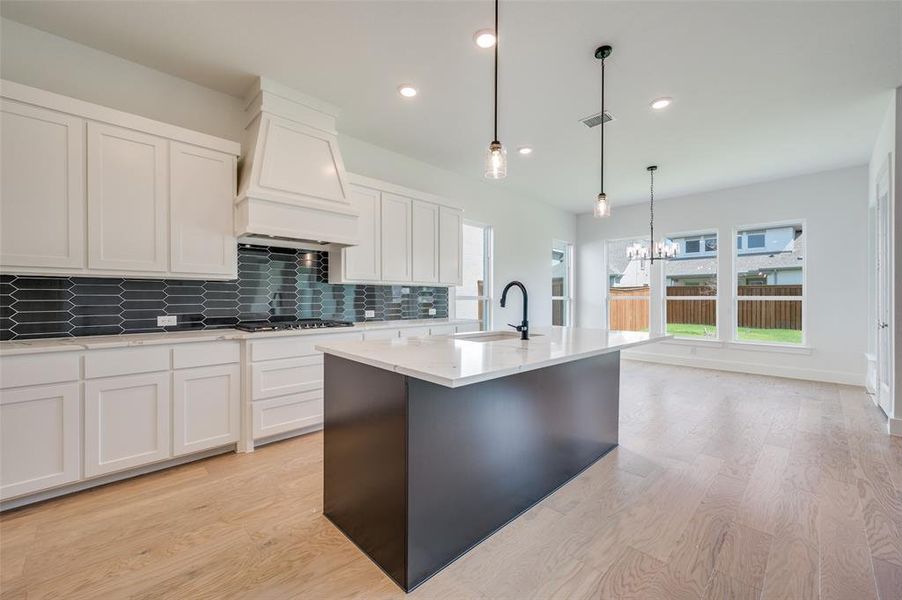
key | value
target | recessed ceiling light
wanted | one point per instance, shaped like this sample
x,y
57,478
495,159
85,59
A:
x,y
661,103
484,38
407,90
525,150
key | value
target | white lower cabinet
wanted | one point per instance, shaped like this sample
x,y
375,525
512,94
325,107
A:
x,y
39,438
287,413
205,408
126,422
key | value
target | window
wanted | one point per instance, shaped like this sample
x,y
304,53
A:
x,y
473,299
755,239
628,288
690,292
770,299
561,283
692,246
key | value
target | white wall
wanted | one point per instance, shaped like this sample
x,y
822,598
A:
x,y
834,208
524,228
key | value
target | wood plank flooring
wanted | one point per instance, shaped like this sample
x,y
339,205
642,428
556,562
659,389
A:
x,y
724,486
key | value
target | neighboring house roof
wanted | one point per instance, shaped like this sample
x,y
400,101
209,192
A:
x,y
686,267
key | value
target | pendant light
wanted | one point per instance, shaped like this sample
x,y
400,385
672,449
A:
x,y
663,250
496,155
602,204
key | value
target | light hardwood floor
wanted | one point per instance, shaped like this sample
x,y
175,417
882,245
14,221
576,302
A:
x,y
724,486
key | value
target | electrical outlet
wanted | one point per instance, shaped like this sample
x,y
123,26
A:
x,y
369,314
431,312
167,321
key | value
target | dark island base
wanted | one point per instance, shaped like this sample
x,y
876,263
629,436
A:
x,y
416,474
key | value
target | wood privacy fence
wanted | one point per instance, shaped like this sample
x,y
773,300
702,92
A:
x,y
629,307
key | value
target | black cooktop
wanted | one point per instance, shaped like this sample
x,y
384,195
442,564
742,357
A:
x,y
280,324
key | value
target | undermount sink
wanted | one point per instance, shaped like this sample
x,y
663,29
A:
x,y
492,336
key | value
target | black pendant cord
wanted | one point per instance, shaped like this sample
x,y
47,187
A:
x,y
602,127
495,139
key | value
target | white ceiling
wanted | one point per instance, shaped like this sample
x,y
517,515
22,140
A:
x,y
761,89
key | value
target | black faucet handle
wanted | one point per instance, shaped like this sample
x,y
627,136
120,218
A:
x,y
516,327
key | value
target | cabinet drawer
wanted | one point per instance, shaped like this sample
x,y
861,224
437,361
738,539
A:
x,y
414,332
16,371
109,363
289,376
291,347
381,334
187,356
39,441
442,330
287,413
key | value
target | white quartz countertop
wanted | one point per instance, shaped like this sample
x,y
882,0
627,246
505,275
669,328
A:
x,y
75,344
459,360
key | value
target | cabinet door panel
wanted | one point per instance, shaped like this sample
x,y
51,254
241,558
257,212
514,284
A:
x,y
202,199
450,234
396,247
424,242
127,200
42,187
39,438
126,422
205,406
364,261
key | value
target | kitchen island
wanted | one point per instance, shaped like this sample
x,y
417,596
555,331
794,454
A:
x,y
431,444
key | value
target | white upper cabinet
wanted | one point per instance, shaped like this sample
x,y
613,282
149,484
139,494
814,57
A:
x,y
128,200
450,233
42,187
201,194
396,238
92,191
424,242
405,237
364,261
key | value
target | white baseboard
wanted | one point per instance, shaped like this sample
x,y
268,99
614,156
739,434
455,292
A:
x,y
894,426
845,378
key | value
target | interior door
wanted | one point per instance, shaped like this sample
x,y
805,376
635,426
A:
x,y
884,291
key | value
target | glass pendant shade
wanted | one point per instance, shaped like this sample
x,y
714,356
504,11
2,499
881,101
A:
x,y
602,206
496,161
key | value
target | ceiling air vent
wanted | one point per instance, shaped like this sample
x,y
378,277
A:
x,y
595,120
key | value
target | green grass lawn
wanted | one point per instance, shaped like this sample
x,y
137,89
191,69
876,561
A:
x,y
746,334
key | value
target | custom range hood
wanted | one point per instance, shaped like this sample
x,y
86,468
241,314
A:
x,y
291,183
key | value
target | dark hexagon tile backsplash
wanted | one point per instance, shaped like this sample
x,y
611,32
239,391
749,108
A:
x,y
271,282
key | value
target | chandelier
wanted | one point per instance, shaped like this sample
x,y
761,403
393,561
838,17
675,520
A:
x,y
662,250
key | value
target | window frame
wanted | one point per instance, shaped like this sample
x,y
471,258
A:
x,y
734,284
607,280
701,234
568,299
488,240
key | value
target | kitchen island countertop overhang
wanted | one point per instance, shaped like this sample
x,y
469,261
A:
x,y
463,359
